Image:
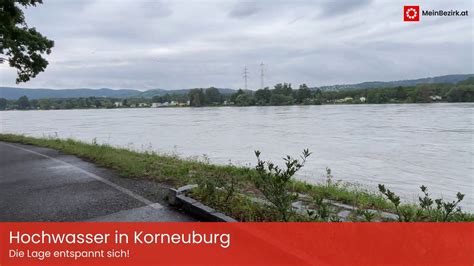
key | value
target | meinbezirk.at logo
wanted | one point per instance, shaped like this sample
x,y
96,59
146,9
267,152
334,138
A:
x,y
413,13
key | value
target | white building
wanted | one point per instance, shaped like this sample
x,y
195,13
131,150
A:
x,y
118,104
348,99
362,99
165,104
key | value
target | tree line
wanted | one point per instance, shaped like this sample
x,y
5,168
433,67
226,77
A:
x,y
280,94
284,94
23,103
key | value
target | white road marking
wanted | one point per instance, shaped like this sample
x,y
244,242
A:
x,y
59,167
153,205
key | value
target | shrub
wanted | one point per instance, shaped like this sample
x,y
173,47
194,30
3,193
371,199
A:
x,y
445,211
322,212
275,183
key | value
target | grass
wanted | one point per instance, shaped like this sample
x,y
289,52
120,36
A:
x,y
162,168
174,171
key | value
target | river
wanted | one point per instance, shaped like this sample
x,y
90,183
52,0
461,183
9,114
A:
x,y
403,146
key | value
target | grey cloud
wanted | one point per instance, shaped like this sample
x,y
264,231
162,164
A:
x,y
330,8
244,9
156,9
147,44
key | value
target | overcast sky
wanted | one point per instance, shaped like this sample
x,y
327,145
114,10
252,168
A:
x,y
145,44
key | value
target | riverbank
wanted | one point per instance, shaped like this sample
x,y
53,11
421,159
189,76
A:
x,y
233,105
280,95
229,189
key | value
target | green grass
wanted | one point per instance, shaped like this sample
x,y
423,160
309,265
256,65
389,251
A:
x,y
174,171
348,194
134,164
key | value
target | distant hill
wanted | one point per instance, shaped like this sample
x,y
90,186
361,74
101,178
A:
x,y
161,92
15,93
450,79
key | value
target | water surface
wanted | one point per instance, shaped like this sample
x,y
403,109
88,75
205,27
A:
x,y
402,146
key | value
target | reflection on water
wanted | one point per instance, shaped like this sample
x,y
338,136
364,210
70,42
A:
x,y
403,146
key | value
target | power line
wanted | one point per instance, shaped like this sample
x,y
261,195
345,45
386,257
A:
x,y
246,75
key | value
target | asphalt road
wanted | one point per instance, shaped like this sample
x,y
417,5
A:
x,y
39,184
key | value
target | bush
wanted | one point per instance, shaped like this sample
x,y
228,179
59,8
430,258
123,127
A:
x,y
275,183
444,211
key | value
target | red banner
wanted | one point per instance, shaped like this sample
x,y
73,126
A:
x,y
236,244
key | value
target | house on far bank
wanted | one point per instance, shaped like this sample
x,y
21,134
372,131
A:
x,y
166,104
142,105
436,98
348,99
118,104
362,99
345,100
158,105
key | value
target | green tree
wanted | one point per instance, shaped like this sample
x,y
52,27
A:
x,y
282,94
461,94
125,103
166,97
280,99
157,99
23,103
45,104
197,97
244,100
318,97
423,94
234,96
3,103
23,46
107,103
34,104
376,96
97,103
400,93
213,95
263,96
303,93
284,89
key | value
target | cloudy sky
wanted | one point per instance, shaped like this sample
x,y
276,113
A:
x,y
146,44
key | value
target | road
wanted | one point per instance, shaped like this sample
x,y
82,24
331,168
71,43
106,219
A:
x,y
40,184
